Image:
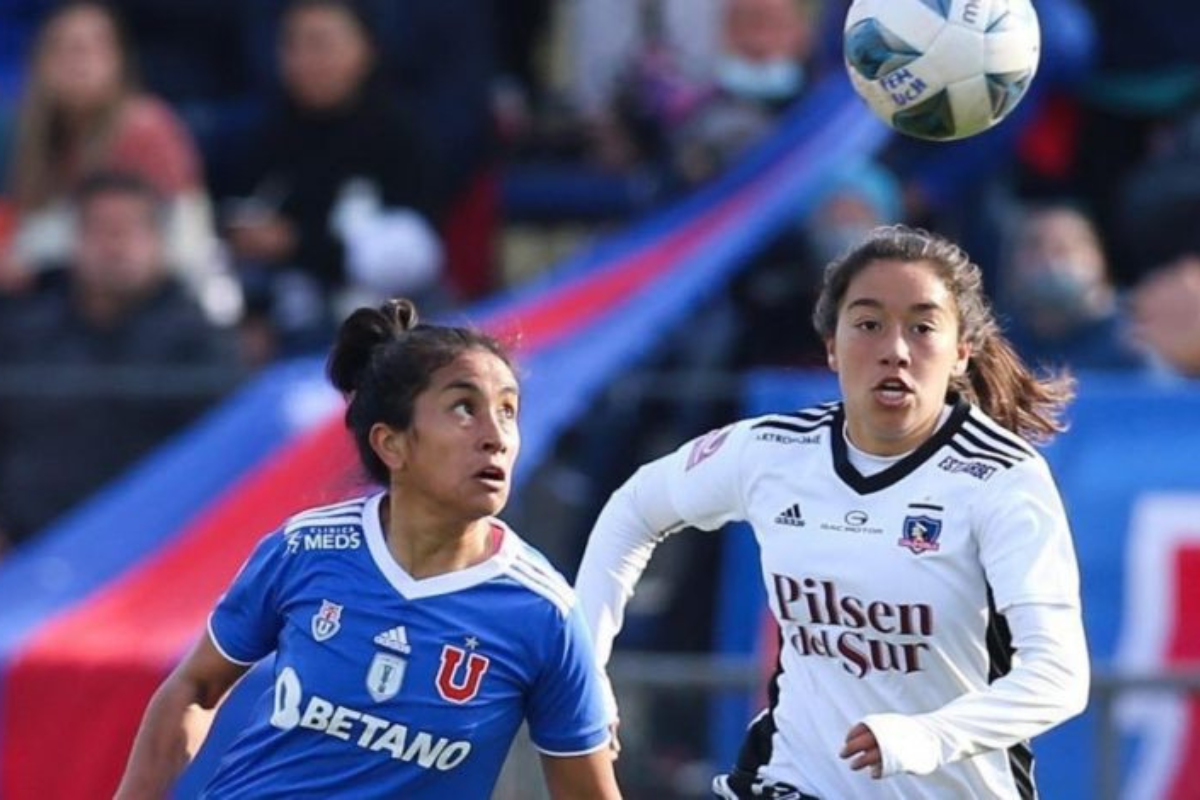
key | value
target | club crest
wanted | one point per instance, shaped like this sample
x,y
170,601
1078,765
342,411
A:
x,y
327,621
461,688
920,533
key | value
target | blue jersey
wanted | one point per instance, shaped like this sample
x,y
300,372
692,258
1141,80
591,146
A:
x,y
387,686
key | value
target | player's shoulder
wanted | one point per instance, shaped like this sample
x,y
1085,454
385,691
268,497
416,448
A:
x,y
983,449
805,426
529,570
331,527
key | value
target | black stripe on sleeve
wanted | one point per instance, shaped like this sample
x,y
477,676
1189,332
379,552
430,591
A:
x,y
962,450
1000,653
791,426
1000,436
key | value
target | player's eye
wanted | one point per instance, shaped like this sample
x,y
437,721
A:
x,y
508,411
869,325
463,408
924,328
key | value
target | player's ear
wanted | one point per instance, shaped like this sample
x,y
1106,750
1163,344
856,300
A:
x,y
831,354
964,357
390,445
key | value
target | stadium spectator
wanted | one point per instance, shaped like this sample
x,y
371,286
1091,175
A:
x,y
605,35
688,122
1166,312
761,70
912,542
787,276
342,206
101,360
488,636
82,111
1061,305
1159,212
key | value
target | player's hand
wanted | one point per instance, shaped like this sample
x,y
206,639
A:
x,y
863,750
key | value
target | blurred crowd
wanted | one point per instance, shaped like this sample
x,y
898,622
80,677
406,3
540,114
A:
x,y
193,189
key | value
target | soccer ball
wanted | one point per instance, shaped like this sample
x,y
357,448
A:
x,y
941,69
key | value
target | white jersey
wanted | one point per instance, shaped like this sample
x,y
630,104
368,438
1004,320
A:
x,y
893,593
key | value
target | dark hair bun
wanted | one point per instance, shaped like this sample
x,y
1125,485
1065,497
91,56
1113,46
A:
x,y
402,313
359,336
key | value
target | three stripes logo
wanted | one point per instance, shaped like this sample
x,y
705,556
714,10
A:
x,y
791,516
394,639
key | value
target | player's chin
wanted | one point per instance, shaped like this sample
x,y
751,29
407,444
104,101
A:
x,y
488,503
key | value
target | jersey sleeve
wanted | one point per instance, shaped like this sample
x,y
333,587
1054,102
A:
x,y
704,478
566,713
246,622
700,484
1025,540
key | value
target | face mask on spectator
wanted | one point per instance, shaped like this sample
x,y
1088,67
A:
x,y
1057,292
772,80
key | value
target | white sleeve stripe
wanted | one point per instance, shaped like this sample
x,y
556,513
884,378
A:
x,y
354,507
312,521
212,636
538,586
588,752
547,573
345,505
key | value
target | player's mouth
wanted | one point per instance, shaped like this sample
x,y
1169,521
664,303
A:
x,y
495,477
892,392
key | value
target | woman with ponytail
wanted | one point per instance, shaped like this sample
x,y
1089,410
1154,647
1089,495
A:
x,y
915,550
412,631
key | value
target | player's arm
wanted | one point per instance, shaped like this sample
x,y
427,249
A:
x,y
1047,685
1029,562
697,485
177,720
586,777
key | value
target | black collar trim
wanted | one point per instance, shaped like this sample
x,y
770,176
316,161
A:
x,y
898,471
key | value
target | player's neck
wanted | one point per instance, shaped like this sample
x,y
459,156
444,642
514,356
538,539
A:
x,y
425,545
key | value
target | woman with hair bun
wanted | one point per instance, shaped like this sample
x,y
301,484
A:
x,y
413,632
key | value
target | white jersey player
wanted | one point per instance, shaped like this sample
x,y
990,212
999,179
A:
x,y
914,548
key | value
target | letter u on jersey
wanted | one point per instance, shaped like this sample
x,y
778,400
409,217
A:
x,y
450,685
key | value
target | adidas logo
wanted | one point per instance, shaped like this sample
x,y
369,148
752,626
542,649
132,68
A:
x,y
394,639
791,516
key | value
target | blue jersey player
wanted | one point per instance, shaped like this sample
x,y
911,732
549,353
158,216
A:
x,y
413,632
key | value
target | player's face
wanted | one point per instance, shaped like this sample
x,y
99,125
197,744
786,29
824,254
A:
x,y
463,443
895,350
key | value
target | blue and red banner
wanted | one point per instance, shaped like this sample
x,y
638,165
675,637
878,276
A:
x,y
101,607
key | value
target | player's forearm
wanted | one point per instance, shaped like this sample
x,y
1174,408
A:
x,y
588,777
172,730
1047,685
628,529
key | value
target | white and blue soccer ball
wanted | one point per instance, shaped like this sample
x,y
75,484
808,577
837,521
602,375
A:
x,y
942,69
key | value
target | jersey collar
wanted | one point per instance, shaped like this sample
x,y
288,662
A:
x,y
413,589
864,484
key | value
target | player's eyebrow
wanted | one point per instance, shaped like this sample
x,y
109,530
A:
x,y
872,303
471,386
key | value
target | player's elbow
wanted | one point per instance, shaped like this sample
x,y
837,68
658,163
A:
x,y
1078,689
